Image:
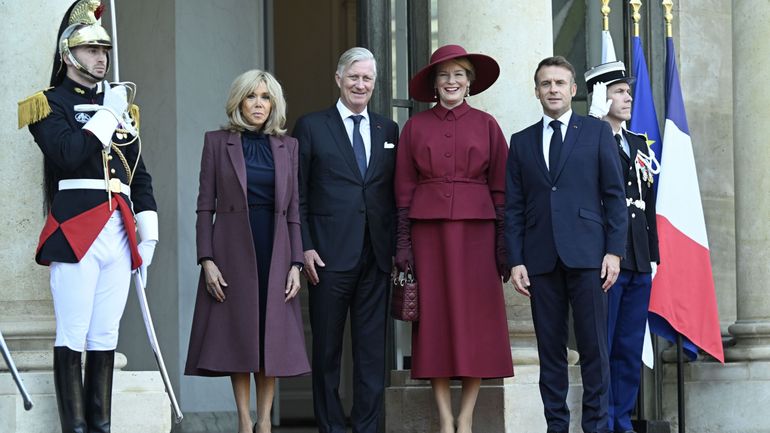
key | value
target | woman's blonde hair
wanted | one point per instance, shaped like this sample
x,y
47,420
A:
x,y
243,86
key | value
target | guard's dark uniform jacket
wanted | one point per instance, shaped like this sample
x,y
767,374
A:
x,y
642,242
78,215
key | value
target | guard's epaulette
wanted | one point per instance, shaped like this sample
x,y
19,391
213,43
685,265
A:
x,y
134,111
34,109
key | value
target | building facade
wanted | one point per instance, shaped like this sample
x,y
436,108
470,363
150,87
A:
x,y
183,55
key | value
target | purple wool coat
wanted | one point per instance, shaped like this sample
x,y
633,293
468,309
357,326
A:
x,y
225,336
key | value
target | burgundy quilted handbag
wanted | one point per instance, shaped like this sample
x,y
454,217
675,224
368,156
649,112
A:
x,y
404,303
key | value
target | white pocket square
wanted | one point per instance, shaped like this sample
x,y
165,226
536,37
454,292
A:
x,y
389,145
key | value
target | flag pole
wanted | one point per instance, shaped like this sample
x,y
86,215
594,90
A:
x,y
636,16
606,15
680,382
668,16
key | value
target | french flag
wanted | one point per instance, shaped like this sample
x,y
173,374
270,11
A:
x,y
683,298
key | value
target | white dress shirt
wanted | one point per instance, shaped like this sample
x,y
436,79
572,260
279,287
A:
x,y
548,132
365,129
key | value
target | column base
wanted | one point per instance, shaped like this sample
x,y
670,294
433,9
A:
x,y
504,405
752,341
729,398
139,403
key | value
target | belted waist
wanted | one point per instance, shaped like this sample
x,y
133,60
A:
x,y
451,179
113,185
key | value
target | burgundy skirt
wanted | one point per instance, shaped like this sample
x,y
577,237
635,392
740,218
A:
x,y
463,330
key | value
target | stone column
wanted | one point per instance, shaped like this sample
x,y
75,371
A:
x,y
487,27
751,45
28,39
714,391
710,117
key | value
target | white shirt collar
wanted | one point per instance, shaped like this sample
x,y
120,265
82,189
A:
x,y
564,119
346,113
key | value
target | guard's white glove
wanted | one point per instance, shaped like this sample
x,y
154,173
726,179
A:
x,y
600,105
108,115
654,269
147,226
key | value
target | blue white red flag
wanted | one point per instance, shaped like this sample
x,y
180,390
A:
x,y
683,298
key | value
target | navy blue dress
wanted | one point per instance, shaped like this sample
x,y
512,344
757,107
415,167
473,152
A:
x,y
260,194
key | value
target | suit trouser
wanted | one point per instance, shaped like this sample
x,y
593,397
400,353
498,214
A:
x,y
362,291
89,296
628,301
552,295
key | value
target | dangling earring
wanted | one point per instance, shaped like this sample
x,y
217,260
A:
x,y
468,91
435,93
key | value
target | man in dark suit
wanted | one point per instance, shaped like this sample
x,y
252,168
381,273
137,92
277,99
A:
x,y
347,208
629,298
565,234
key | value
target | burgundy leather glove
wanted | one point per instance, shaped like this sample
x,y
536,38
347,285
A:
x,y
404,254
501,256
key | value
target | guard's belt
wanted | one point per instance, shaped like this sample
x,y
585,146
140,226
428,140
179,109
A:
x,y
98,184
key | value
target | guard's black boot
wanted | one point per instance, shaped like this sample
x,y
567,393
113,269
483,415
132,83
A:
x,y
68,381
98,386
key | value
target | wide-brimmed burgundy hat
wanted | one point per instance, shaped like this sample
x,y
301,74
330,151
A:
x,y
487,70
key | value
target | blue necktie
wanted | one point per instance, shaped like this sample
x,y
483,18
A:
x,y
555,150
358,144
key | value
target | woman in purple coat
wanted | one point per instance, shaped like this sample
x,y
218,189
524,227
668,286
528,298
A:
x,y
450,194
247,315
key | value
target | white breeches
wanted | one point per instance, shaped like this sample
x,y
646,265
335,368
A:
x,y
89,296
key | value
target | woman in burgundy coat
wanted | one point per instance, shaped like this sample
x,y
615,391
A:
x,y
247,315
450,193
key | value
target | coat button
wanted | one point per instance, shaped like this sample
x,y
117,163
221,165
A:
x,y
447,154
448,134
112,171
283,213
232,208
109,157
629,183
633,215
447,195
553,188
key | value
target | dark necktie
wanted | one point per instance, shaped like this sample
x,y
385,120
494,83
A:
x,y
358,144
555,150
620,144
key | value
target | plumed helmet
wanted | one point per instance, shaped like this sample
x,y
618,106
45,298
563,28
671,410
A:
x,y
80,27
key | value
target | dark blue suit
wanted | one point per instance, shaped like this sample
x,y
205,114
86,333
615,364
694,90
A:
x,y
560,229
349,220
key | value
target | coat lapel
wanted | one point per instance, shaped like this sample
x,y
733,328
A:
x,y
537,148
281,166
235,152
340,135
377,143
573,131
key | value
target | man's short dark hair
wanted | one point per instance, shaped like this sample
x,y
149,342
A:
x,y
555,61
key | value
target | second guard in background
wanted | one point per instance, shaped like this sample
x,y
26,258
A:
x,y
97,194
629,298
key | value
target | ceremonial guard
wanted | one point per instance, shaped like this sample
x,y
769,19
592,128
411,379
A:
x,y
98,195
629,298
